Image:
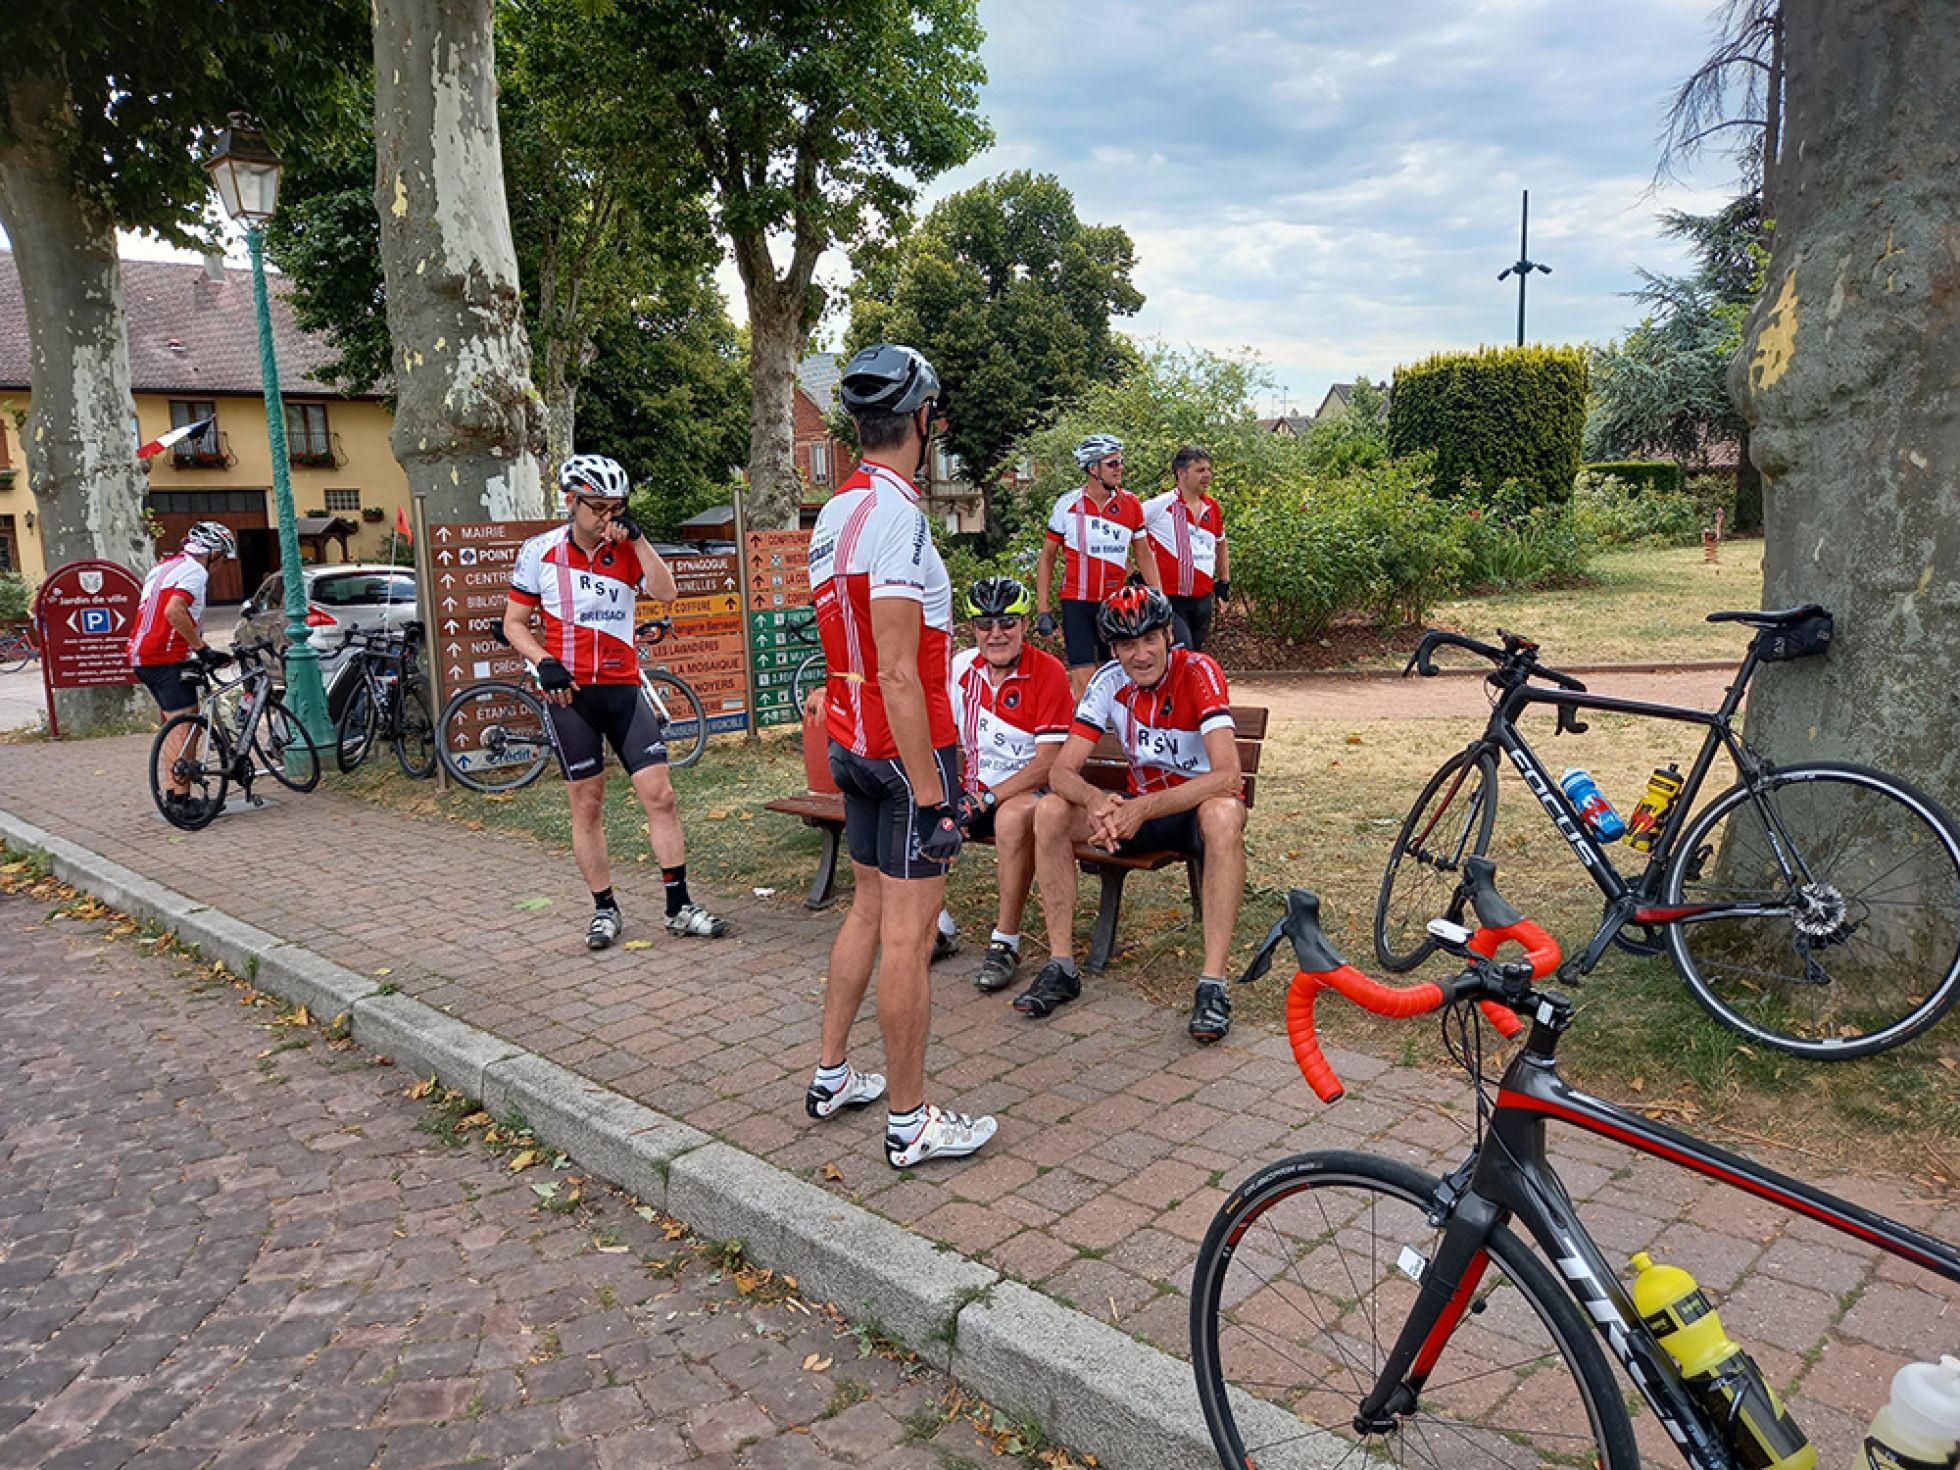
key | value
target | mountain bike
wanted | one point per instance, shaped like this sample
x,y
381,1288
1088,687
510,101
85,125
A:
x,y
389,700
17,650
240,731
1346,1304
1814,908
494,736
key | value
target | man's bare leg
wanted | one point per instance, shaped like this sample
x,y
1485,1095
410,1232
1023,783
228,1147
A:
x,y
1221,821
1014,854
852,954
588,801
911,912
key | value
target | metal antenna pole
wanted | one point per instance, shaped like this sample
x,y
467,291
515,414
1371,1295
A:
x,y
1524,265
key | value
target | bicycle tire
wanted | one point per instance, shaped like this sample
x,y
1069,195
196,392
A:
x,y
685,729
207,772
809,676
356,728
493,737
1302,1277
15,655
1874,958
1450,821
415,729
279,738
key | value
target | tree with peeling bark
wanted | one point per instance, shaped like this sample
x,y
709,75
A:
x,y
1846,375
811,122
469,426
102,114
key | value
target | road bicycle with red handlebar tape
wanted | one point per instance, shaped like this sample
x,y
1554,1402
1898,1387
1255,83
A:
x,y
1348,1308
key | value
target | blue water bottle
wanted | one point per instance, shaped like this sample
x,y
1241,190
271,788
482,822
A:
x,y
1590,802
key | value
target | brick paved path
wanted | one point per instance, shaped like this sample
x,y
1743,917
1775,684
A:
x,y
210,1262
1118,1135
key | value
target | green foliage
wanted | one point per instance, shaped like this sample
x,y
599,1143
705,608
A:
x,y
1607,511
1356,439
1511,544
1513,413
1010,295
1642,474
326,241
15,590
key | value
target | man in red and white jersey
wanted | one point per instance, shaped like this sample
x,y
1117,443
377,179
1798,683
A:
x,y
1012,704
580,582
885,614
1171,711
1187,533
1097,530
169,631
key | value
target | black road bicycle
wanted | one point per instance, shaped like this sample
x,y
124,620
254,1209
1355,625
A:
x,y
809,673
241,730
1814,908
389,700
1348,1308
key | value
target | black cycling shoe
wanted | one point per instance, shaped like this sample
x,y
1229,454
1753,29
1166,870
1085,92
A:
x,y
944,945
1052,987
1211,1012
997,969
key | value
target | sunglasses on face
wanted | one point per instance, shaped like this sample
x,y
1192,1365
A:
x,y
603,507
987,625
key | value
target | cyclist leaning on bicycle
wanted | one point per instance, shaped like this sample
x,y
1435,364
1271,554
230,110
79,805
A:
x,y
580,582
170,626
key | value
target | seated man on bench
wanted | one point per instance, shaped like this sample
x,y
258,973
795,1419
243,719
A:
x,y
1170,710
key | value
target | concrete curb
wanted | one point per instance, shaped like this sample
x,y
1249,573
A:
x,y
1088,1385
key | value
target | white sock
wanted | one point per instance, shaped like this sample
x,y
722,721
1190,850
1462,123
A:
x,y
832,1078
946,924
1012,941
906,1126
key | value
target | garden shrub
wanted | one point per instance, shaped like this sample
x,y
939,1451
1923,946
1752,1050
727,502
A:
x,y
1609,512
15,590
1642,474
1515,413
1512,544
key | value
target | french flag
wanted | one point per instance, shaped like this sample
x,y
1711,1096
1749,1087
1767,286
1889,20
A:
x,y
158,445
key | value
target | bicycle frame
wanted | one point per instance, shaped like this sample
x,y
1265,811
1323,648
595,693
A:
x,y
1509,1177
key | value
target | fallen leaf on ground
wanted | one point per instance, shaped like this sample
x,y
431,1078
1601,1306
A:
x,y
833,1173
524,1160
532,903
637,944
815,1364
385,970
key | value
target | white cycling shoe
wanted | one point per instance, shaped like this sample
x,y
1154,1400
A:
x,y
696,921
859,1088
944,1136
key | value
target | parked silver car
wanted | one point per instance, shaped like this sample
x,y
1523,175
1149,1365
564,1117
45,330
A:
x,y
340,598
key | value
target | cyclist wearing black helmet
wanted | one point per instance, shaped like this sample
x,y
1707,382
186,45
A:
x,y
1171,711
885,614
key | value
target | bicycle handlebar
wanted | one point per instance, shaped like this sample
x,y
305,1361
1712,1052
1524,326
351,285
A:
x,y
1517,658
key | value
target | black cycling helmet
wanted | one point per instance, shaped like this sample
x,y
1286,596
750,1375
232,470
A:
x,y
887,378
1130,612
998,597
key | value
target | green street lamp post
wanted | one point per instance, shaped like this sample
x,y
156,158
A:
x,y
246,172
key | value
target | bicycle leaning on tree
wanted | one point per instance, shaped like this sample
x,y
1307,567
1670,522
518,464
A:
x,y
241,730
1814,908
1346,1304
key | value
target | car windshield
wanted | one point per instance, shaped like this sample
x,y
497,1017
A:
x,y
364,587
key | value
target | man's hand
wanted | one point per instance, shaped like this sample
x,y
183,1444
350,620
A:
x,y
939,827
1044,626
966,808
212,658
622,527
1113,819
556,681
1223,589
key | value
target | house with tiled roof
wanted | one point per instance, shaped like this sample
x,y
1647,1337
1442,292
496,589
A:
x,y
193,354
825,462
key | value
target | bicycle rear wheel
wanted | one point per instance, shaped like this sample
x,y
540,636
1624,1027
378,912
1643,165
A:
x,y
809,676
282,747
1302,1286
1450,821
197,754
415,730
1855,954
355,731
493,737
15,652
685,722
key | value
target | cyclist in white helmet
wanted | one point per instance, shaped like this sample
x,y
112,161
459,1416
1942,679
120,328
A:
x,y
1101,527
580,582
169,628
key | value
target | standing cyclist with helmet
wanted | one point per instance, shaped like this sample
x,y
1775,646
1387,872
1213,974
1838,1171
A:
x,y
1187,533
885,614
1100,526
580,581
1012,705
1171,711
170,630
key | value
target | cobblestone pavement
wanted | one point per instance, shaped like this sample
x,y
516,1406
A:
x,y
215,1252
1119,1137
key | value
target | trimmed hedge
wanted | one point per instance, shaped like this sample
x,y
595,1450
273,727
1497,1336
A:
x,y
1511,413
1640,475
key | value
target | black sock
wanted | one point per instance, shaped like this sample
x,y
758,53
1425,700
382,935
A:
x,y
604,900
676,881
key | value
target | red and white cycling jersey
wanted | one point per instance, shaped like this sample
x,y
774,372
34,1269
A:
x,y
179,578
1163,728
871,540
585,602
1186,545
1001,724
1096,541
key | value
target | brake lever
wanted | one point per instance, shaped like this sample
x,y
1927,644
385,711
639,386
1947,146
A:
x,y
1263,960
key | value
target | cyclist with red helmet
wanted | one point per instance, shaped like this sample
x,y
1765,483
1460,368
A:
x,y
1096,532
1171,710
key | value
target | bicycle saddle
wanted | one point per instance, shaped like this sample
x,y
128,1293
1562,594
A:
x,y
1782,618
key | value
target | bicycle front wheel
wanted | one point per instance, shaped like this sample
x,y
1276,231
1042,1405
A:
x,y
415,730
1302,1286
190,771
282,747
354,734
809,676
15,652
684,721
493,737
1450,821
1850,940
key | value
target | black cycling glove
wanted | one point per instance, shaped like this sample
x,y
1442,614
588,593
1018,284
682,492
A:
x,y
626,523
939,828
966,807
1224,590
553,677
1045,625
213,658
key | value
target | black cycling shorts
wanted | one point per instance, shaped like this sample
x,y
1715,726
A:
x,y
169,687
1191,621
880,816
1177,832
617,714
1084,644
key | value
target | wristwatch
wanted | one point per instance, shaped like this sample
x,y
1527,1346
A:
x,y
987,798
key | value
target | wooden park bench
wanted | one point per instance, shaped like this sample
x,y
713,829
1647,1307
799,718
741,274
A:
x,y
1108,768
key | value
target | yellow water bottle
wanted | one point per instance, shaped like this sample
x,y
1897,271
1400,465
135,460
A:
x,y
1723,1379
1650,817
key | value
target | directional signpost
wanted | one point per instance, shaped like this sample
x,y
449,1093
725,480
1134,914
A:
x,y
776,585
469,577
706,646
84,615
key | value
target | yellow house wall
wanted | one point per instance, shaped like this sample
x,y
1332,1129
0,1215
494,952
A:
x,y
15,499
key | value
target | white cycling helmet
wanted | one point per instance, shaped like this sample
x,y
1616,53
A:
x,y
1097,448
211,538
594,474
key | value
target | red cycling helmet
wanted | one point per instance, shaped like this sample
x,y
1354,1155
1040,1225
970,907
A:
x,y
1130,612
